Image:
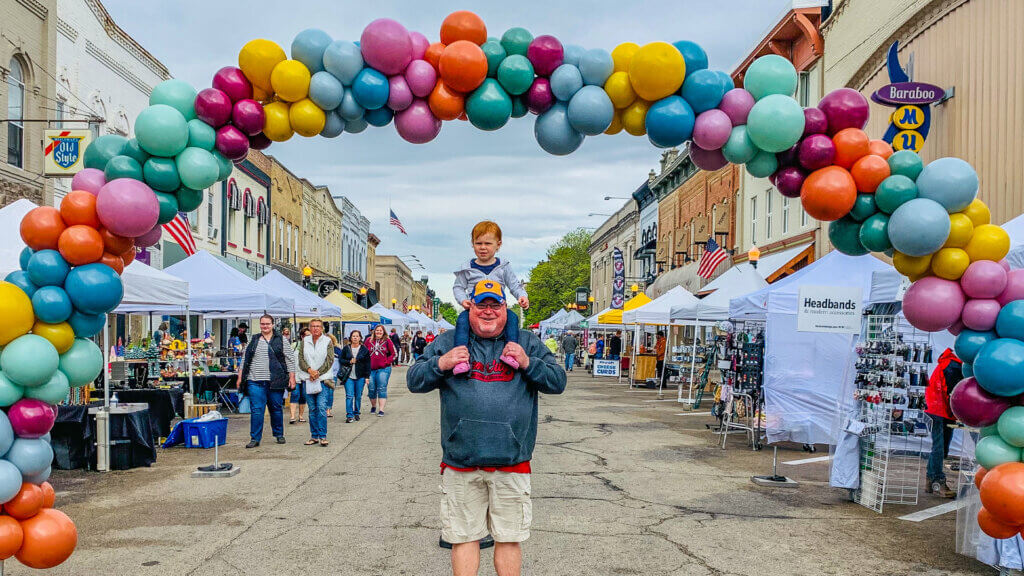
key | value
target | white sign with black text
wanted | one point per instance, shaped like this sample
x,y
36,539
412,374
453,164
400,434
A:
x,y
606,368
829,309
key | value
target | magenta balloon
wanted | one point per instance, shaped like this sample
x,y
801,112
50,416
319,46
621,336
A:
x,y
1014,287
539,97
789,180
127,207
545,53
932,304
789,157
232,142
709,160
984,279
844,108
88,179
421,78
737,104
232,81
399,94
976,407
955,329
213,106
815,121
150,238
386,46
419,45
31,418
248,116
816,151
980,314
259,141
711,130
417,124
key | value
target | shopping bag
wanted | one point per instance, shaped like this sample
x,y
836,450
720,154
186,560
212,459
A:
x,y
244,406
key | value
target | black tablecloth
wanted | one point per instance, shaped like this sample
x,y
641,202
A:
x,y
163,406
74,439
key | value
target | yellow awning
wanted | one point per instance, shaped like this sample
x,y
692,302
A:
x,y
350,311
615,316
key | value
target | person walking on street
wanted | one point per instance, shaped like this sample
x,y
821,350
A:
x,y
382,354
599,348
297,399
316,356
569,345
268,368
946,376
406,341
615,346
397,343
552,344
335,379
429,337
358,357
659,351
419,343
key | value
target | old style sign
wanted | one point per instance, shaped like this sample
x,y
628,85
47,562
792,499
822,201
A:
x,y
64,151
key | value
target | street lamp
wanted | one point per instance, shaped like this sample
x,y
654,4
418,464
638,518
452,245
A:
x,y
599,214
754,255
307,275
618,197
634,288
393,302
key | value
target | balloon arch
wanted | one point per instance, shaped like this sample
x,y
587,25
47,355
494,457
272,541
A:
x,y
926,217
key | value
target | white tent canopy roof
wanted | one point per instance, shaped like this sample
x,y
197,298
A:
x,y
396,317
218,290
424,322
658,311
307,304
737,281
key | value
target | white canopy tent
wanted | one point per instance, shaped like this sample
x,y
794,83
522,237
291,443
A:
x,y
658,311
594,324
738,281
551,322
444,324
307,304
1015,228
396,317
423,321
219,291
571,320
148,290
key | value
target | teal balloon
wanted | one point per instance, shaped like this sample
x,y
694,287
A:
x,y
894,192
21,279
863,208
370,89
489,107
356,126
24,257
1011,426
29,360
992,430
161,130
991,451
693,55
775,123
350,109
874,233
591,111
379,117
177,94
103,149
162,174
554,133
845,236
515,73
771,74
122,167
519,108
189,199
739,149
966,370
762,165
82,363
9,391
704,89
1010,321
168,207
54,391
201,135
87,325
968,342
135,152
495,53
224,166
566,80
197,168
516,41
905,163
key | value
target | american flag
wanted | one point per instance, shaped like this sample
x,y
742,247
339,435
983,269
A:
x,y
397,223
180,230
405,305
712,257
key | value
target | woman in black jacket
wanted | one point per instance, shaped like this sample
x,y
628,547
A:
x,y
418,344
357,356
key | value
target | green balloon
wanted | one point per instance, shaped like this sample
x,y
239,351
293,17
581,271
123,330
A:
x,y
489,107
122,167
845,236
519,108
29,360
177,94
991,451
189,199
1011,426
769,75
515,73
906,163
82,363
9,391
992,430
168,207
54,391
103,149
775,123
201,134
161,174
874,233
893,192
197,168
739,149
516,41
161,130
863,208
224,166
133,150
762,165
495,54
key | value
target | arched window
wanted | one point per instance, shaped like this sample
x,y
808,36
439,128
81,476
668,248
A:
x,y
16,114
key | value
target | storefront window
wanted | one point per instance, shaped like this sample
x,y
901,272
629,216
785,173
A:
x,y
15,113
785,215
768,215
753,220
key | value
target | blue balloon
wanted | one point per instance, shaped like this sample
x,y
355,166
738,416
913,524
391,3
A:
x,y
51,304
968,342
20,279
694,56
6,434
729,84
670,121
967,370
999,367
370,89
566,80
554,133
30,456
326,91
344,60
10,480
919,227
572,54
379,117
1010,321
47,268
951,182
87,325
704,90
40,477
591,111
596,66
26,253
350,109
356,126
94,288
309,47
334,126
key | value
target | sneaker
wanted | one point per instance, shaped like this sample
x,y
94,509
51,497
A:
x,y
941,490
373,409
280,439
357,417
252,444
348,420
381,413
461,368
510,361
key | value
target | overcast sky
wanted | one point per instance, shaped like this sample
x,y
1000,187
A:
x,y
439,190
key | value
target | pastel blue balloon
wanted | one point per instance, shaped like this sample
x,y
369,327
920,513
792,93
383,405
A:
x,y
693,55
669,122
26,253
10,480
54,391
30,455
51,304
47,268
6,434
967,370
998,367
370,89
334,126
763,164
566,80
968,342
738,148
82,363
344,60
350,109
20,279
919,227
201,135
39,477
572,54
1010,321
9,392
197,168
94,288
951,182
771,74
29,360
729,84
309,47
326,91
704,90
87,325
356,126
596,66
591,111
161,130
554,133
379,117
775,123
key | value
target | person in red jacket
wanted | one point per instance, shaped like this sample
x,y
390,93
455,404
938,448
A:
x,y
947,374
382,355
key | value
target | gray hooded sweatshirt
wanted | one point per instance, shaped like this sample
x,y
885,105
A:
x,y
467,277
489,415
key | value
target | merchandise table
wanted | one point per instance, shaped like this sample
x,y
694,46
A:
x,y
164,405
131,437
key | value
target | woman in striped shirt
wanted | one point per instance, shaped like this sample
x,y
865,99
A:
x,y
267,370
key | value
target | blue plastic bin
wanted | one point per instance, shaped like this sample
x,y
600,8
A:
x,y
204,434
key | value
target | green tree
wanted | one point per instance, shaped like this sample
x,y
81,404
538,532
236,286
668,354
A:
x,y
448,312
553,282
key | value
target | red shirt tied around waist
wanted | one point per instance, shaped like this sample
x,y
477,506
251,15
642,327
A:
x,y
521,468
946,376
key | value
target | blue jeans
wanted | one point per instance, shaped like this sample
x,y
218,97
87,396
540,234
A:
x,y
942,435
260,398
329,395
318,414
462,328
570,361
298,396
353,396
378,385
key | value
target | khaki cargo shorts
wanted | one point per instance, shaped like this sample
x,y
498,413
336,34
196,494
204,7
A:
x,y
475,503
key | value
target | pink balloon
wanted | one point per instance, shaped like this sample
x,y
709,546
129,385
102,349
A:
x,y
419,45
844,108
1014,287
955,329
31,418
815,121
248,116
545,53
88,179
259,141
417,124
386,46
421,78
711,130
737,104
709,160
150,238
975,407
984,279
213,107
232,81
932,304
127,207
232,142
1005,264
980,314
399,94
539,97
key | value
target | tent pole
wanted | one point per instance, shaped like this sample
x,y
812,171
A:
x,y
188,346
693,360
105,448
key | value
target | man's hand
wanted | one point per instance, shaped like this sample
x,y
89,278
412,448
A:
x,y
524,302
291,381
314,373
516,351
465,304
453,357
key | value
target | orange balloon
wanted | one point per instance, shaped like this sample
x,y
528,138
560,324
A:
x,y
116,244
50,538
868,172
11,537
80,244
829,193
79,207
995,527
26,503
880,148
463,66
128,256
41,228
979,474
1002,492
463,116
463,25
851,145
446,103
49,496
433,54
114,261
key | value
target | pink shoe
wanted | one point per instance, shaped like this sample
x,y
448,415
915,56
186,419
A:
x,y
510,361
461,368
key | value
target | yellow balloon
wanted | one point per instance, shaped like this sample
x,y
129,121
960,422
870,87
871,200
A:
x,y
616,125
622,54
277,126
960,231
257,60
620,90
978,212
307,119
16,311
989,242
290,80
62,336
634,117
911,266
950,263
657,70
917,277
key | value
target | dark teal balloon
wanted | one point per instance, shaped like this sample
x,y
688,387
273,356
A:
x,y
20,279
670,121
380,117
968,342
87,325
863,208
224,166
489,107
103,149
693,55
845,236
132,149
519,108
23,258
168,207
189,199
122,167
495,54
515,73
516,41
162,174
874,233
370,89
906,163
893,192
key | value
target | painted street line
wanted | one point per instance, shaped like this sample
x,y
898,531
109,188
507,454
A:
x,y
808,460
933,511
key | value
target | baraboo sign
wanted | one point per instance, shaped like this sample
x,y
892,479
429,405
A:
x,y
900,93
829,309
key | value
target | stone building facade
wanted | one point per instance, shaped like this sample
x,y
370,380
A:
x,y
286,221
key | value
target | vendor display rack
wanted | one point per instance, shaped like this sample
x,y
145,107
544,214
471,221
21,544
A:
x,y
739,403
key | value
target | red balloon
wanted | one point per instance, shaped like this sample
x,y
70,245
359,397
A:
x,y
463,66
26,503
828,194
213,107
41,228
116,244
79,207
11,537
1002,492
50,538
248,116
868,172
80,244
995,527
851,145
463,25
